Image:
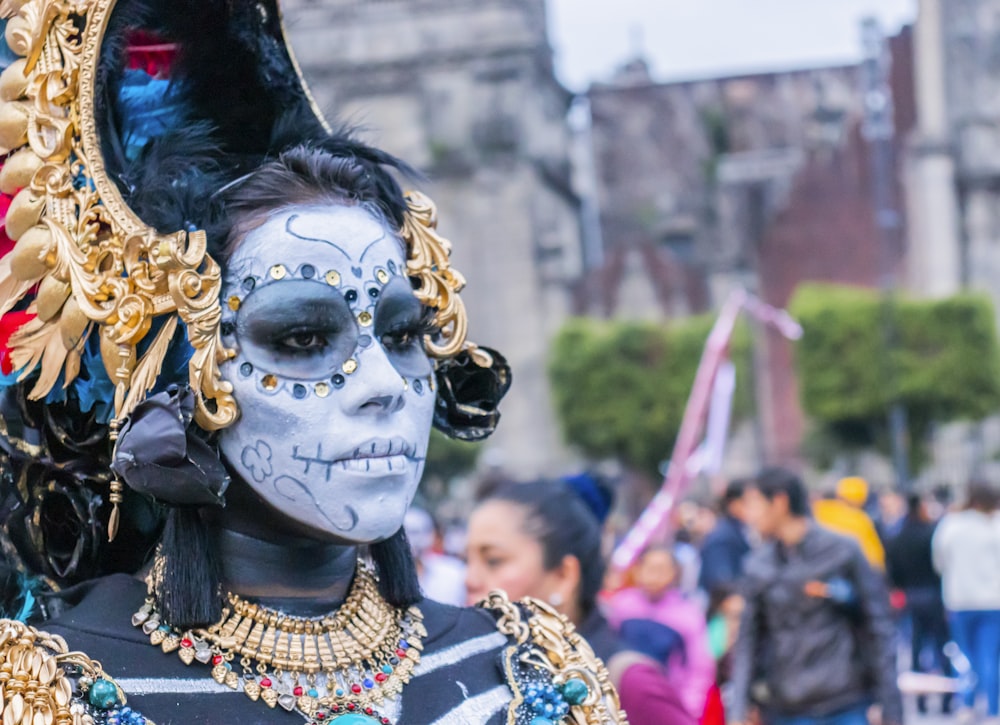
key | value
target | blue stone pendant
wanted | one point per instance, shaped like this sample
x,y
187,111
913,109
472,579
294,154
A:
x,y
354,718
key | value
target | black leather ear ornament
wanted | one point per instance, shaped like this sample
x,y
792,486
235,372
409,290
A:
x,y
468,396
158,453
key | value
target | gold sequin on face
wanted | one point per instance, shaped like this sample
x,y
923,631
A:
x,y
350,366
234,303
365,319
322,390
278,271
270,383
382,276
333,278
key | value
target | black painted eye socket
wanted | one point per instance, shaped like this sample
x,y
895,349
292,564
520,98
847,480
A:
x,y
401,322
296,329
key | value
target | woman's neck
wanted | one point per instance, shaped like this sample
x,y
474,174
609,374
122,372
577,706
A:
x,y
299,576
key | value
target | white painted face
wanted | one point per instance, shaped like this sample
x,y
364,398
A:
x,y
334,387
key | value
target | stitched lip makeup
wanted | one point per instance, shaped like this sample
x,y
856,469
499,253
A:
x,y
377,456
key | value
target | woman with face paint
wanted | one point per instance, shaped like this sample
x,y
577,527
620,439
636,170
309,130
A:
x,y
226,333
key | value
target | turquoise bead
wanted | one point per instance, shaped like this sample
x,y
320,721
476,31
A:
x,y
103,694
387,669
541,721
354,718
313,693
575,691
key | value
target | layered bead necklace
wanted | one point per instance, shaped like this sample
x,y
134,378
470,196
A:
x,y
342,665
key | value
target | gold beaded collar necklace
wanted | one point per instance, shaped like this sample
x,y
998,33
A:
x,y
345,663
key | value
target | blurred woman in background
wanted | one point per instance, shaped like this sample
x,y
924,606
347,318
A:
x,y
966,552
657,597
543,540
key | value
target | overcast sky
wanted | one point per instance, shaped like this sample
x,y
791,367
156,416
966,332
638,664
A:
x,y
692,38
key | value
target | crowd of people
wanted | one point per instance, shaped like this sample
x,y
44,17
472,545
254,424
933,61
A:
x,y
784,608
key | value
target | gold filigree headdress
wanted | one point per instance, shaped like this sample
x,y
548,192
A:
x,y
91,266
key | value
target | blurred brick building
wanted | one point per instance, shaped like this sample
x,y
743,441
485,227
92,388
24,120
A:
x,y
758,180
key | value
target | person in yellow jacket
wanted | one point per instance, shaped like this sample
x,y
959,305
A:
x,y
845,515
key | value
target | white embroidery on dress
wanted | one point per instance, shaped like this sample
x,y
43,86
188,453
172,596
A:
x,y
478,709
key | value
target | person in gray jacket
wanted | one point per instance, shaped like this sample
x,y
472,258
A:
x,y
816,641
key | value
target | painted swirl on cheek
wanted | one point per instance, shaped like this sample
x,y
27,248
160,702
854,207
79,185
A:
x,y
295,491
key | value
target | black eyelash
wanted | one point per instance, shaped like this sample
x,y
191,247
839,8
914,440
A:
x,y
278,342
413,329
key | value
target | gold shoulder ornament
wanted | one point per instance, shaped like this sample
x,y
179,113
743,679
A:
x,y
43,683
551,664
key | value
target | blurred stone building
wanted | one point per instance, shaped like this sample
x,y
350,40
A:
x,y
465,91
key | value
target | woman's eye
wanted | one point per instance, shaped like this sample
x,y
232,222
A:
x,y
400,340
304,341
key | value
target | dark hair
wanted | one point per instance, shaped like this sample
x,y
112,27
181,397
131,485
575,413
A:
x,y
734,492
773,482
718,596
559,520
982,497
311,174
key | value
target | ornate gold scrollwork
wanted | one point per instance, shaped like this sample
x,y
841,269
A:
x,y
555,646
121,274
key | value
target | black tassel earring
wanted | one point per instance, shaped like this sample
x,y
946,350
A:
x,y
187,583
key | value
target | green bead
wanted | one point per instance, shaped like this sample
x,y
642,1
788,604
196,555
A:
x,y
103,694
354,718
575,691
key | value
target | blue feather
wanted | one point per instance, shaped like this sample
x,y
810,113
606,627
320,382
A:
x,y
150,107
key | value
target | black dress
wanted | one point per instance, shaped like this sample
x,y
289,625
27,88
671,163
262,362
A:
x,y
458,679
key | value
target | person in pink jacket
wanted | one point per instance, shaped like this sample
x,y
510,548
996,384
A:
x,y
657,598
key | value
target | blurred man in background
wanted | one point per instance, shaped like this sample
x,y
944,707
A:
x,y
725,548
816,643
911,571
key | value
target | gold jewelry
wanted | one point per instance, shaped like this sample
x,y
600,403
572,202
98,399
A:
x,y
349,661
37,681
546,641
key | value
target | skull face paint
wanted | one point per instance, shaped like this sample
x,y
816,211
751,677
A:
x,y
334,387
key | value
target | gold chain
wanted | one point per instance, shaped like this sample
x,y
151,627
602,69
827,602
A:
x,y
347,661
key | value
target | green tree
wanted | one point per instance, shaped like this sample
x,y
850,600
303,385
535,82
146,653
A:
x,y
944,364
620,388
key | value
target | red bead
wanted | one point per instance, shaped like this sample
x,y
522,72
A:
x,y
351,706
335,708
401,653
298,691
187,643
368,711
266,682
381,677
355,688
217,660
385,721
320,715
